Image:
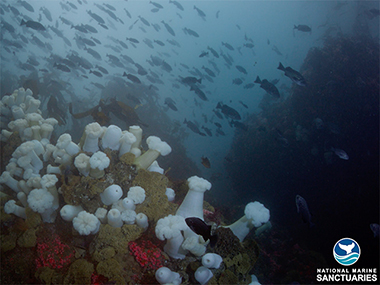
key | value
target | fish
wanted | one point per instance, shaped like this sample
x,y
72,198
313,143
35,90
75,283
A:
x,y
204,53
303,210
199,92
128,14
248,45
102,69
159,6
190,32
228,111
90,28
171,103
217,125
275,49
219,132
340,153
200,12
47,13
96,73
96,17
214,53
192,126
110,7
145,22
294,75
302,28
61,67
205,162
244,105
27,6
268,87
159,42
372,13
241,69
168,28
131,77
177,4
166,66
227,45
249,86
207,130
94,53
33,25
218,114
237,81
199,227
208,71
375,229
133,40
80,28
191,80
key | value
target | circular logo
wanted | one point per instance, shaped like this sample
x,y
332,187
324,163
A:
x,y
346,251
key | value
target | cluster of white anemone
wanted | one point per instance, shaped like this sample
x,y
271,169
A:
x,y
19,112
182,240
32,168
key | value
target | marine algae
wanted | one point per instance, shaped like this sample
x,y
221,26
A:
x,y
80,272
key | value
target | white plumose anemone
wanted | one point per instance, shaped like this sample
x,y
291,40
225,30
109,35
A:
x,y
42,201
165,276
11,208
203,275
192,205
211,260
255,215
126,141
111,194
111,138
114,218
170,228
136,194
98,162
93,132
82,163
86,223
69,212
142,220
156,147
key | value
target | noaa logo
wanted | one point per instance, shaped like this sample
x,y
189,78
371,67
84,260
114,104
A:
x,y
346,251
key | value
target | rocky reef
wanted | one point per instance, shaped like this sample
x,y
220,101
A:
x,y
87,214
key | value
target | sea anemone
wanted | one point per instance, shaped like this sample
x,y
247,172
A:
x,y
165,276
192,205
86,223
170,228
156,147
111,138
93,132
136,194
11,208
98,162
255,215
69,212
111,194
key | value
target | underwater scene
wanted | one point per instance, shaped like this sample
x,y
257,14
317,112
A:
x,y
189,142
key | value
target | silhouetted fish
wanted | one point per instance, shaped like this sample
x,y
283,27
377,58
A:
x,y
33,25
199,227
303,210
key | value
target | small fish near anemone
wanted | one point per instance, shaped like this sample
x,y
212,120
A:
x,y
205,162
199,227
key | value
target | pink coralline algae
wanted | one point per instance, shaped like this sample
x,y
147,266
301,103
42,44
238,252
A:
x,y
148,255
54,254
